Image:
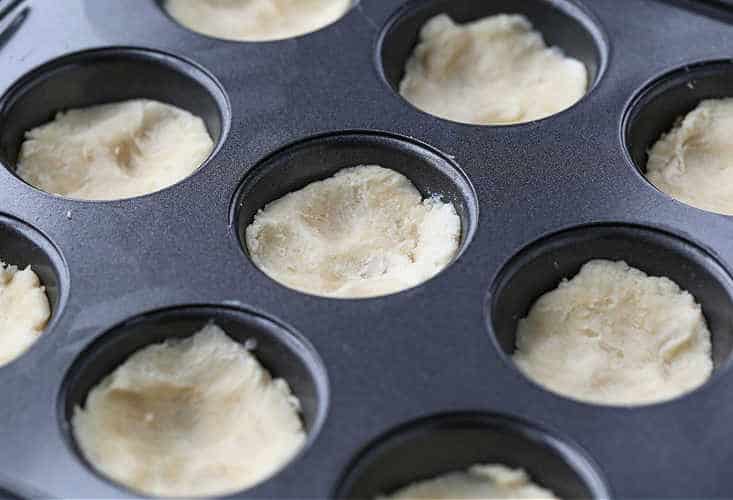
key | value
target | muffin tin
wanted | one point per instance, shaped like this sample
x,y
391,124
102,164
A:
x,y
401,387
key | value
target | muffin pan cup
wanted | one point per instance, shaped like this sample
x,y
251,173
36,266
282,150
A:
x,y
419,354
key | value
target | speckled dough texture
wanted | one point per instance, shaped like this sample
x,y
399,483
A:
x,y
694,161
24,311
114,151
364,232
192,417
613,335
256,20
479,481
494,71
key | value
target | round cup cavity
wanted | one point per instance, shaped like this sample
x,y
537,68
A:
x,y
540,267
654,111
102,76
317,158
433,446
562,23
282,352
162,5
22,246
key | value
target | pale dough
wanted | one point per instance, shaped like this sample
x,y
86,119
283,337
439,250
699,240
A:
x,y
613,335
114,151
256,20
364,232
192,417
479,481
24,311
496,70
694,161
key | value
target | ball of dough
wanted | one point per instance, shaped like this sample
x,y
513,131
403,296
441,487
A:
x,y
694,161
114,151
256,20
192,417
496,70
24,311
613,335
479,481
364,232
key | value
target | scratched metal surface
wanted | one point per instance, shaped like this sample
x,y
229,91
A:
x,y
420,353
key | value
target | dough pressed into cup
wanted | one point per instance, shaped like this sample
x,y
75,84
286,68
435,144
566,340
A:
x,y
114,151
256,20
365,232
24,311
494,71
614,335
479,481
694,161
191,417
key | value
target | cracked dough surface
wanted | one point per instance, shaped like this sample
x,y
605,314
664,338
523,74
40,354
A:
x,y
114,151
256,20
694,161
479,481
364,232
198,416
24,311
613,335
496,70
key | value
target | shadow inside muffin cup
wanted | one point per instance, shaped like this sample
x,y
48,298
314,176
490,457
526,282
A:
x,y
103,76
5,494
10,490
283,353
540,267
656,109
317,158
437,445
562,23
22,246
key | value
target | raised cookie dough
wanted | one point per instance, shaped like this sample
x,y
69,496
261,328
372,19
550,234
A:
x,y
364,232
192,417
24,311
496,70
114,151
694,161
613,335
479,481
256,20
